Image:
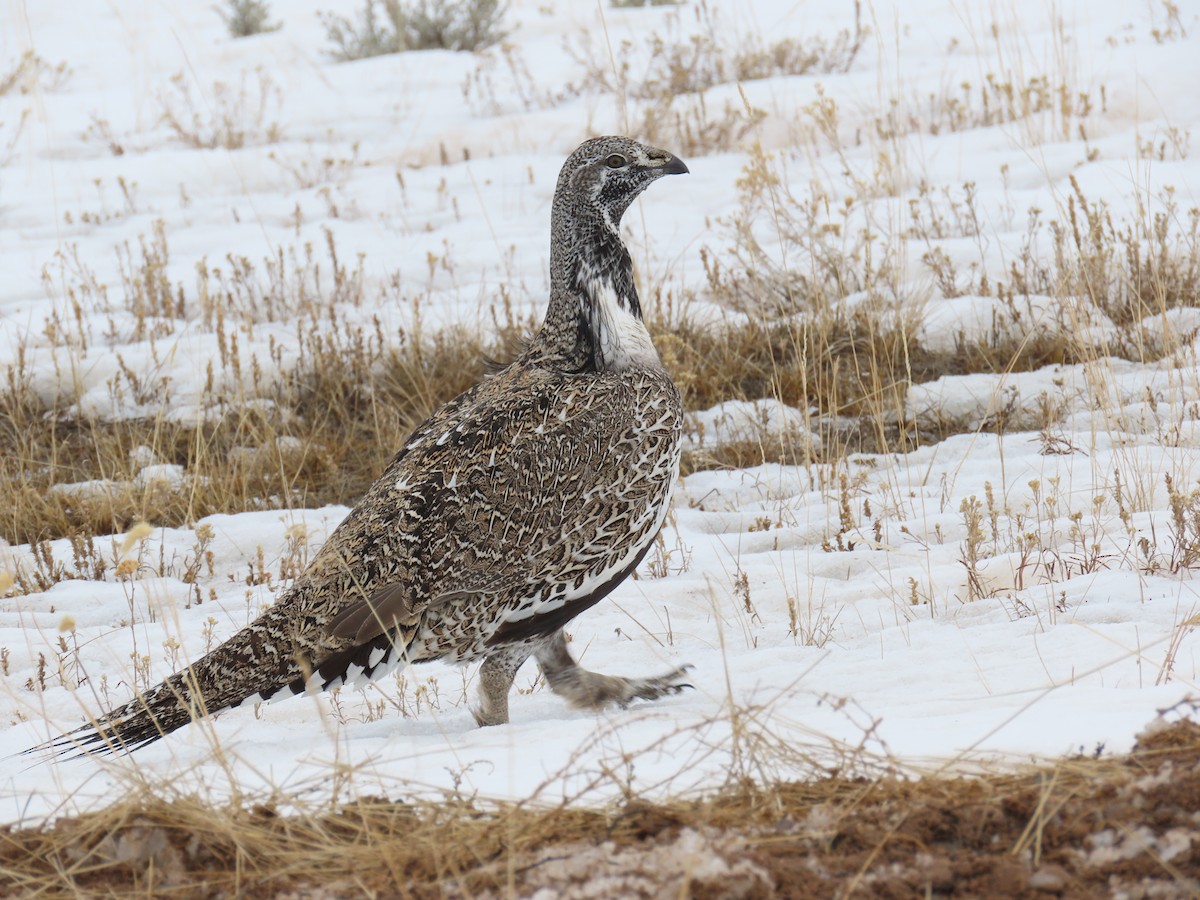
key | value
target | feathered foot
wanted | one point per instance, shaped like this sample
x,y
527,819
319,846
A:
x,y
591,690
581,688
495,679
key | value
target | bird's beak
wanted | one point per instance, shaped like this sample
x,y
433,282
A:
x,y
660,162
674,166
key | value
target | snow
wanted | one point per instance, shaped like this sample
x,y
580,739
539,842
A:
x,y
833,613
742,420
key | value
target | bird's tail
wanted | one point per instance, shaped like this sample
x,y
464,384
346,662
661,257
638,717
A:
x,y
279,651
148,717
254,664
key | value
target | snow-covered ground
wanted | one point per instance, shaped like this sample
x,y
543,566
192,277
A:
x,y
987,598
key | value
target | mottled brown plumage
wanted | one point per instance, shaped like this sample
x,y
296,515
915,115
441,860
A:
x,y
512,509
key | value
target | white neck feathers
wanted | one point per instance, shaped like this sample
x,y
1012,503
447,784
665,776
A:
x,y
621,337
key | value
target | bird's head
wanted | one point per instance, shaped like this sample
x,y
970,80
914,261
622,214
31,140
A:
x,y
594,317
607,174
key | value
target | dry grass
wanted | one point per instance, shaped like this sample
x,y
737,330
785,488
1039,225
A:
x,y
268,429
853,368
229,116
318,426
332,423
674,88
409,25
690,59
1079,828
245,18
31,73
666,78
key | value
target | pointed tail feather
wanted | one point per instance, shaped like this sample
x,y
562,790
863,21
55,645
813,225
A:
x,y
264,658
250,665
143,720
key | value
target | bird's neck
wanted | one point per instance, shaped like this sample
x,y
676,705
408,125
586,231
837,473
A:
x,y
594,320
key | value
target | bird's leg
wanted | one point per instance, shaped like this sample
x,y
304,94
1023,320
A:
x,y
495,679
591,690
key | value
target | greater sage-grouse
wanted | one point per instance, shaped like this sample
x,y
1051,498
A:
x,y
511,510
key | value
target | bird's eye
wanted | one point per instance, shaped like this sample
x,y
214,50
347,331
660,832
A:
x,y
616,161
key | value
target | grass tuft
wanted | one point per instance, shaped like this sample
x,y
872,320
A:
x,y
409,25
1079,827
245,18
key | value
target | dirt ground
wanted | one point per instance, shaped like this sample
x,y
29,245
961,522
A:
x,y
1127,827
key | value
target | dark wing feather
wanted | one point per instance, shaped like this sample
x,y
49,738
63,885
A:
x,y
387,609
367,618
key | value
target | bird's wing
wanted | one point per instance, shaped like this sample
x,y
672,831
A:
x,y
368,617
385,610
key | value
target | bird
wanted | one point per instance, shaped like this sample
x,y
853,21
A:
x,y
512,509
